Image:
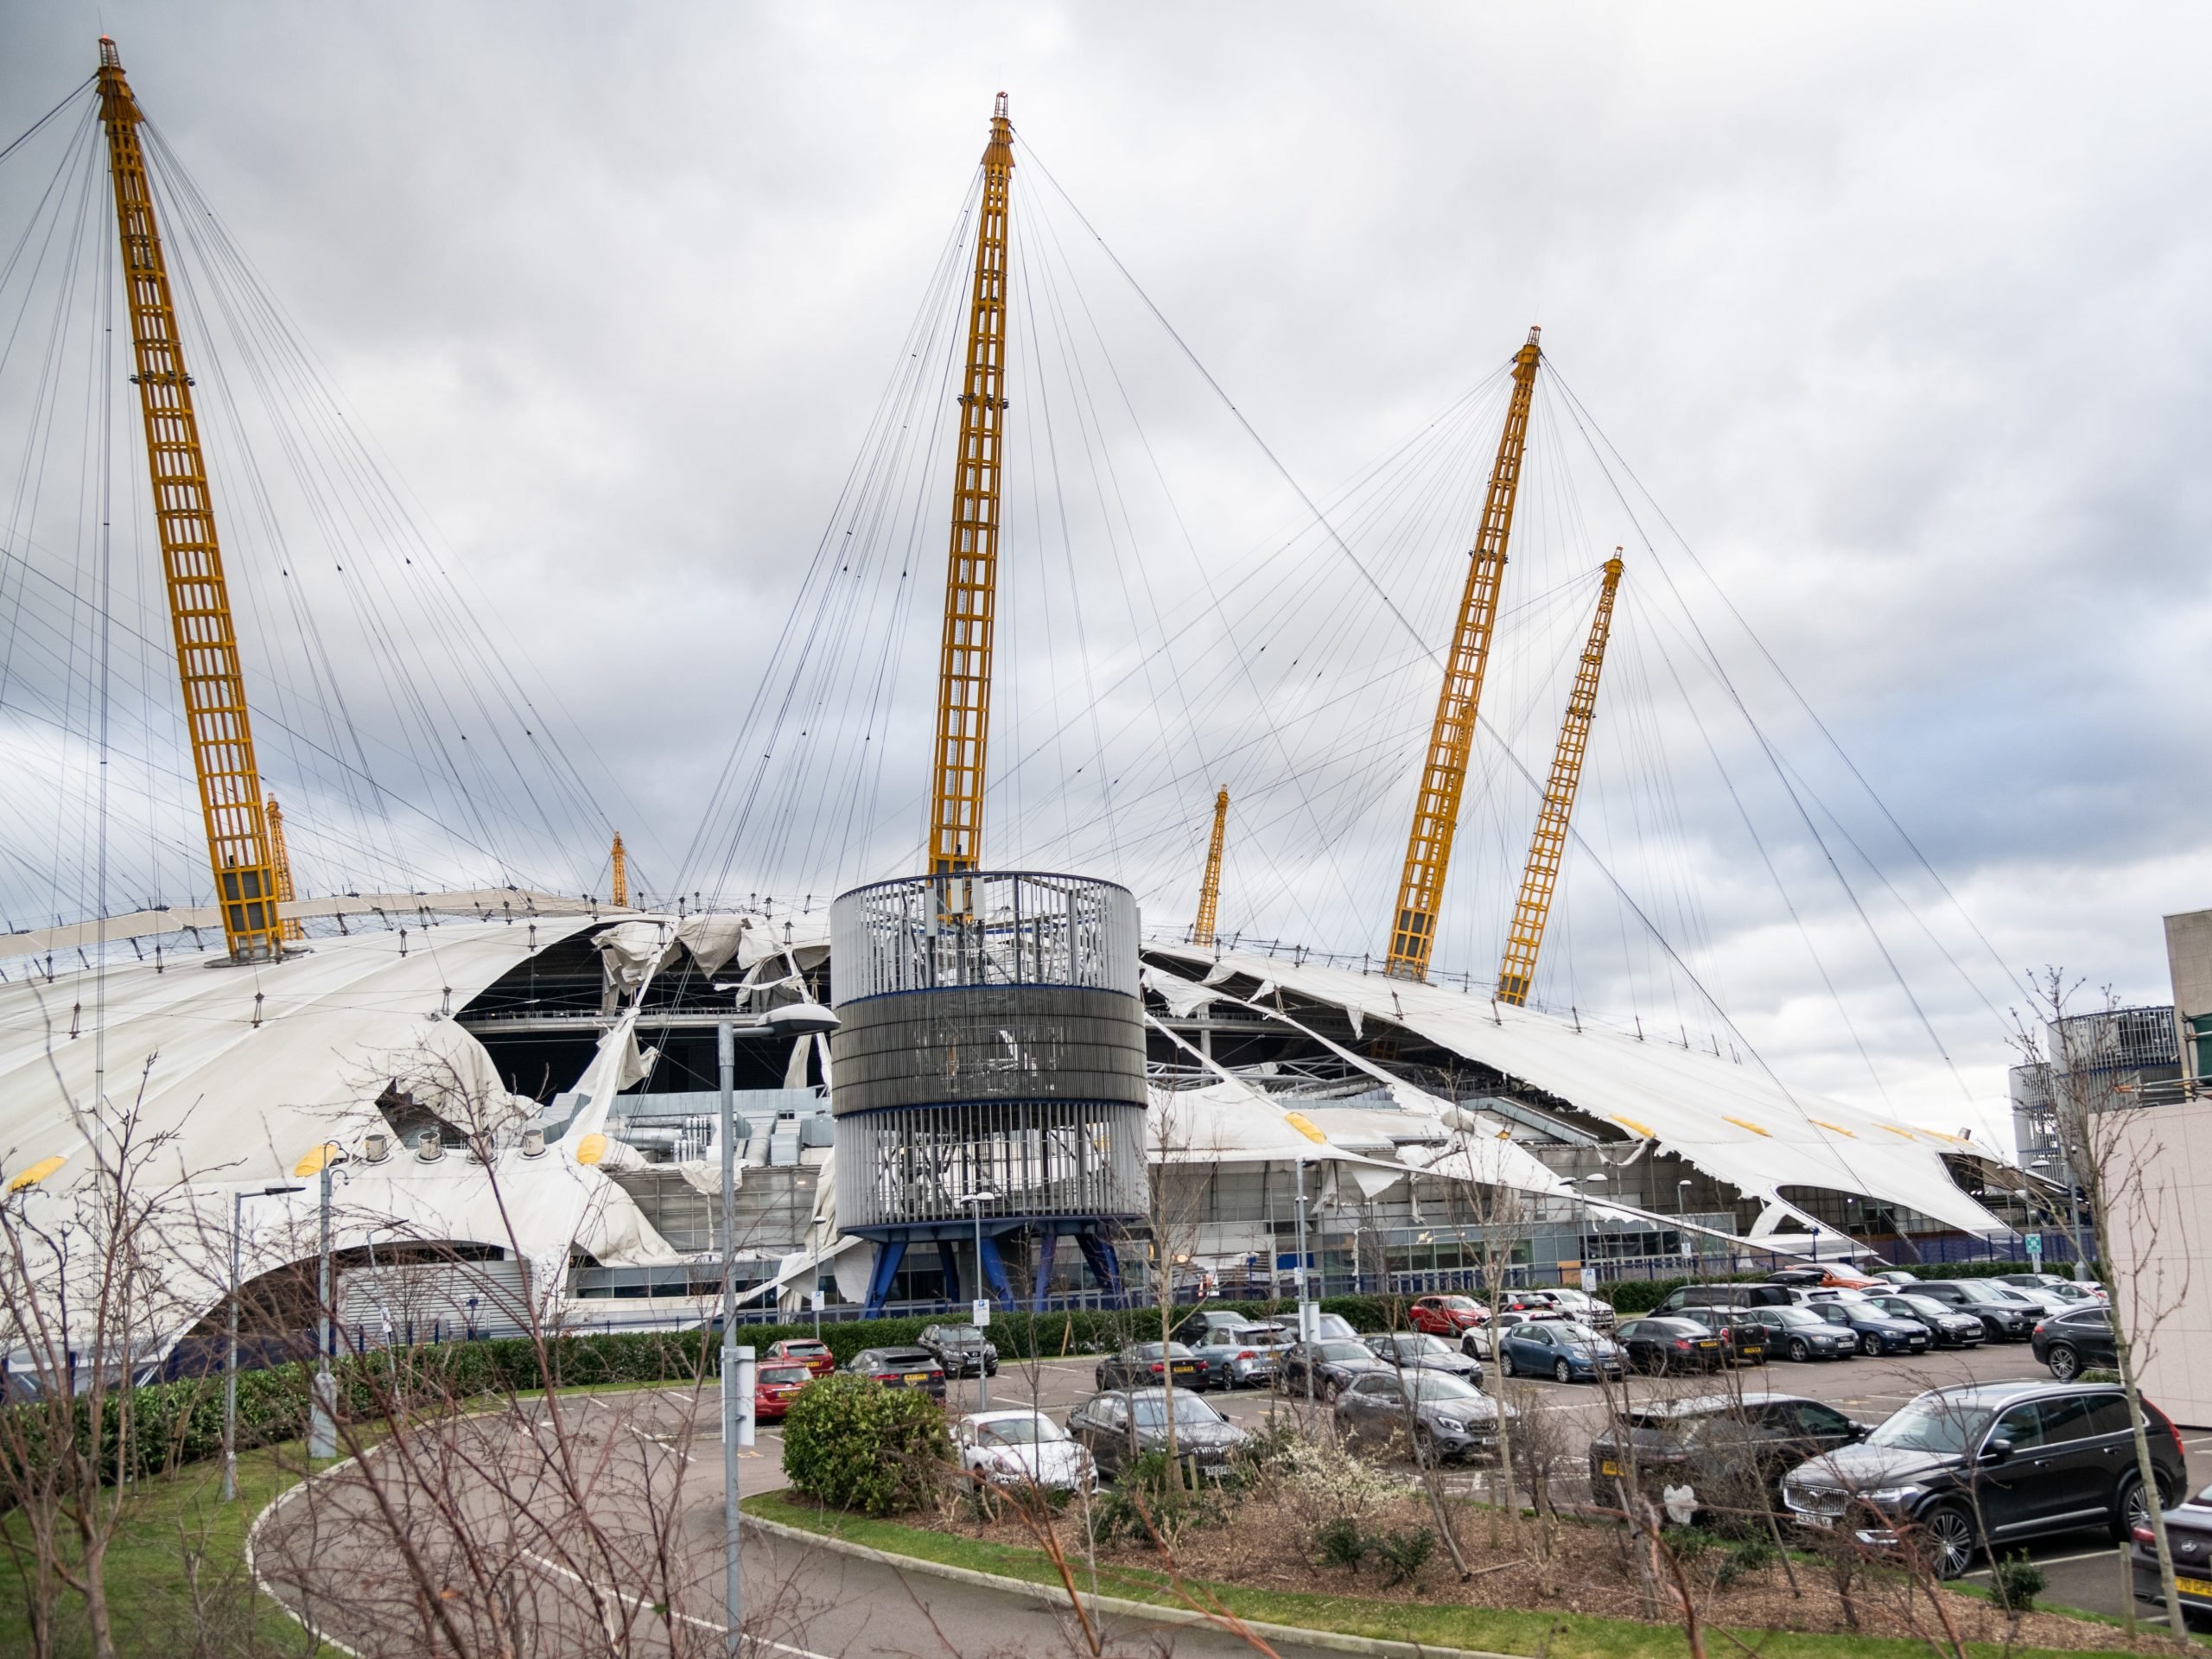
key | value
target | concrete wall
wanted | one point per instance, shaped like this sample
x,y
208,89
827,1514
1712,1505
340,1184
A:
x,y
2189,957
2161,1249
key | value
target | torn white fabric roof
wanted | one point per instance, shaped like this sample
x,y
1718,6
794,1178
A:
x,y
1734,1122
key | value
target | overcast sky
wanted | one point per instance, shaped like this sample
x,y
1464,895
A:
x,y
1898,312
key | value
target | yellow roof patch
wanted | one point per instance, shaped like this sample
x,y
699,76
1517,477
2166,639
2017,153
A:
x,y
1304,1125
1893,1129
591,1148
1746,1123
313,1163
1629,1122
37,1172
1838,1127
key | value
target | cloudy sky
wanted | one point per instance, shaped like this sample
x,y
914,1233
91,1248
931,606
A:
x,y
1895,313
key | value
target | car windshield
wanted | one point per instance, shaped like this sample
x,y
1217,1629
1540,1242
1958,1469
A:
x,y
1931,1423
1574,1332
1458,1304
782,1374
1019,1431
1341,1351
1794,1315
1441,1385
1261,1334
1979,1293
960,1335
1151,1412
914,1358
1925,1305
805,1349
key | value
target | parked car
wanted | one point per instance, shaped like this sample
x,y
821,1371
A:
x,y
1801,1333
899,1367
1332,1327
1528,1301
1446,1316
815,1356
1198,1329
1563,1350
1581,1306
961,1349
2072,1290
1143,1364
1240,1356
2044,1300
2002,1319
1897,1276
1690,1298
1661,1344
1331,1365
774,1386
2021,1459
1743,1342
1023,1448
1446,1417
1946,1326
1417,1350
2188,1531
1114,1425
2067,1341
1877,1330
1717,1444
1482,1342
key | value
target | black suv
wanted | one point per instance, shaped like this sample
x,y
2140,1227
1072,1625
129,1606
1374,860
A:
x,y
2005,1319
2018,1458
960,1348
2066,1342
1690,1300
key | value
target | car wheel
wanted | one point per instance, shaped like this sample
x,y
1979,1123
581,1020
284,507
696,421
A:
x,y
1949,1532
1871,1345
1799,1350
2129,1510
1505,1363
1561,1372
1330,1389
1102,1382
2064,1362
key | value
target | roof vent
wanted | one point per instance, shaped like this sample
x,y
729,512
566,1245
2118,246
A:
x,y
429,1146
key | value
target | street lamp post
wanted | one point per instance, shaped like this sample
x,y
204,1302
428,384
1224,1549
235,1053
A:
x,y
230,1361
322,1417
982,1295
1305,1319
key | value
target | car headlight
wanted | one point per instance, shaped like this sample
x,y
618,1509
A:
x,y
1894,1497
1451,1425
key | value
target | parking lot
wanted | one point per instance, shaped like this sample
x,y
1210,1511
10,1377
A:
x,y
2083,1567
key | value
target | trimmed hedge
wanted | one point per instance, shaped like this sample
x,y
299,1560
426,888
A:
x,y
856,1445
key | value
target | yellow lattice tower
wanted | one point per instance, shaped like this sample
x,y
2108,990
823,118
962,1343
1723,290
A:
x,y
1210,888
1517,973
964,698
280,865
192,561
621,893
1450,740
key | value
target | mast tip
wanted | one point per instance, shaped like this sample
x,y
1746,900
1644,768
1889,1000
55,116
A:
x,y
110,58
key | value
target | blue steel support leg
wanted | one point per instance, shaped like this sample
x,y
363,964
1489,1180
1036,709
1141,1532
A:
x,y
1045,1244
945,1253
888,1255
1105,1266
993,1272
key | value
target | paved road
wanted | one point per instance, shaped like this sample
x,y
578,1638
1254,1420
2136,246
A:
x,y
488,1501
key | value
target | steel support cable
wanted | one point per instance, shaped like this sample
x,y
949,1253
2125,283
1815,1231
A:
x,y
1798,696
774,672
1767,747
25,135
1395,610
315,401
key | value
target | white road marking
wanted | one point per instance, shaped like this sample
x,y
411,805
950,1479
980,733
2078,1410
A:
x,y
757,1642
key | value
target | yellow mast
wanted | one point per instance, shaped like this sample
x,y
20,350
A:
x,y
280,864
1444,778
964,698
621,892
1210,888
1518,971
192,561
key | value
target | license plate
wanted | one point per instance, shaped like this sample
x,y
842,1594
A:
x,y
1609,1467
2192,1587
915,1376
1708,1345
1825,1522
1182,1371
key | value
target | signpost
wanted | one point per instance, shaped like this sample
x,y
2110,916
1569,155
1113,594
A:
x,y
2035,1252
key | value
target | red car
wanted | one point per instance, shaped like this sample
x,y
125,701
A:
x,y
1446,1316
773,1387
804,1350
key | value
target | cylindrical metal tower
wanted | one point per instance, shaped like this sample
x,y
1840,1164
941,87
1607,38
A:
x,y
990,1040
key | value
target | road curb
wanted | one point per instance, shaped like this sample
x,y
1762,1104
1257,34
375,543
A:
x,y
1155,1613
